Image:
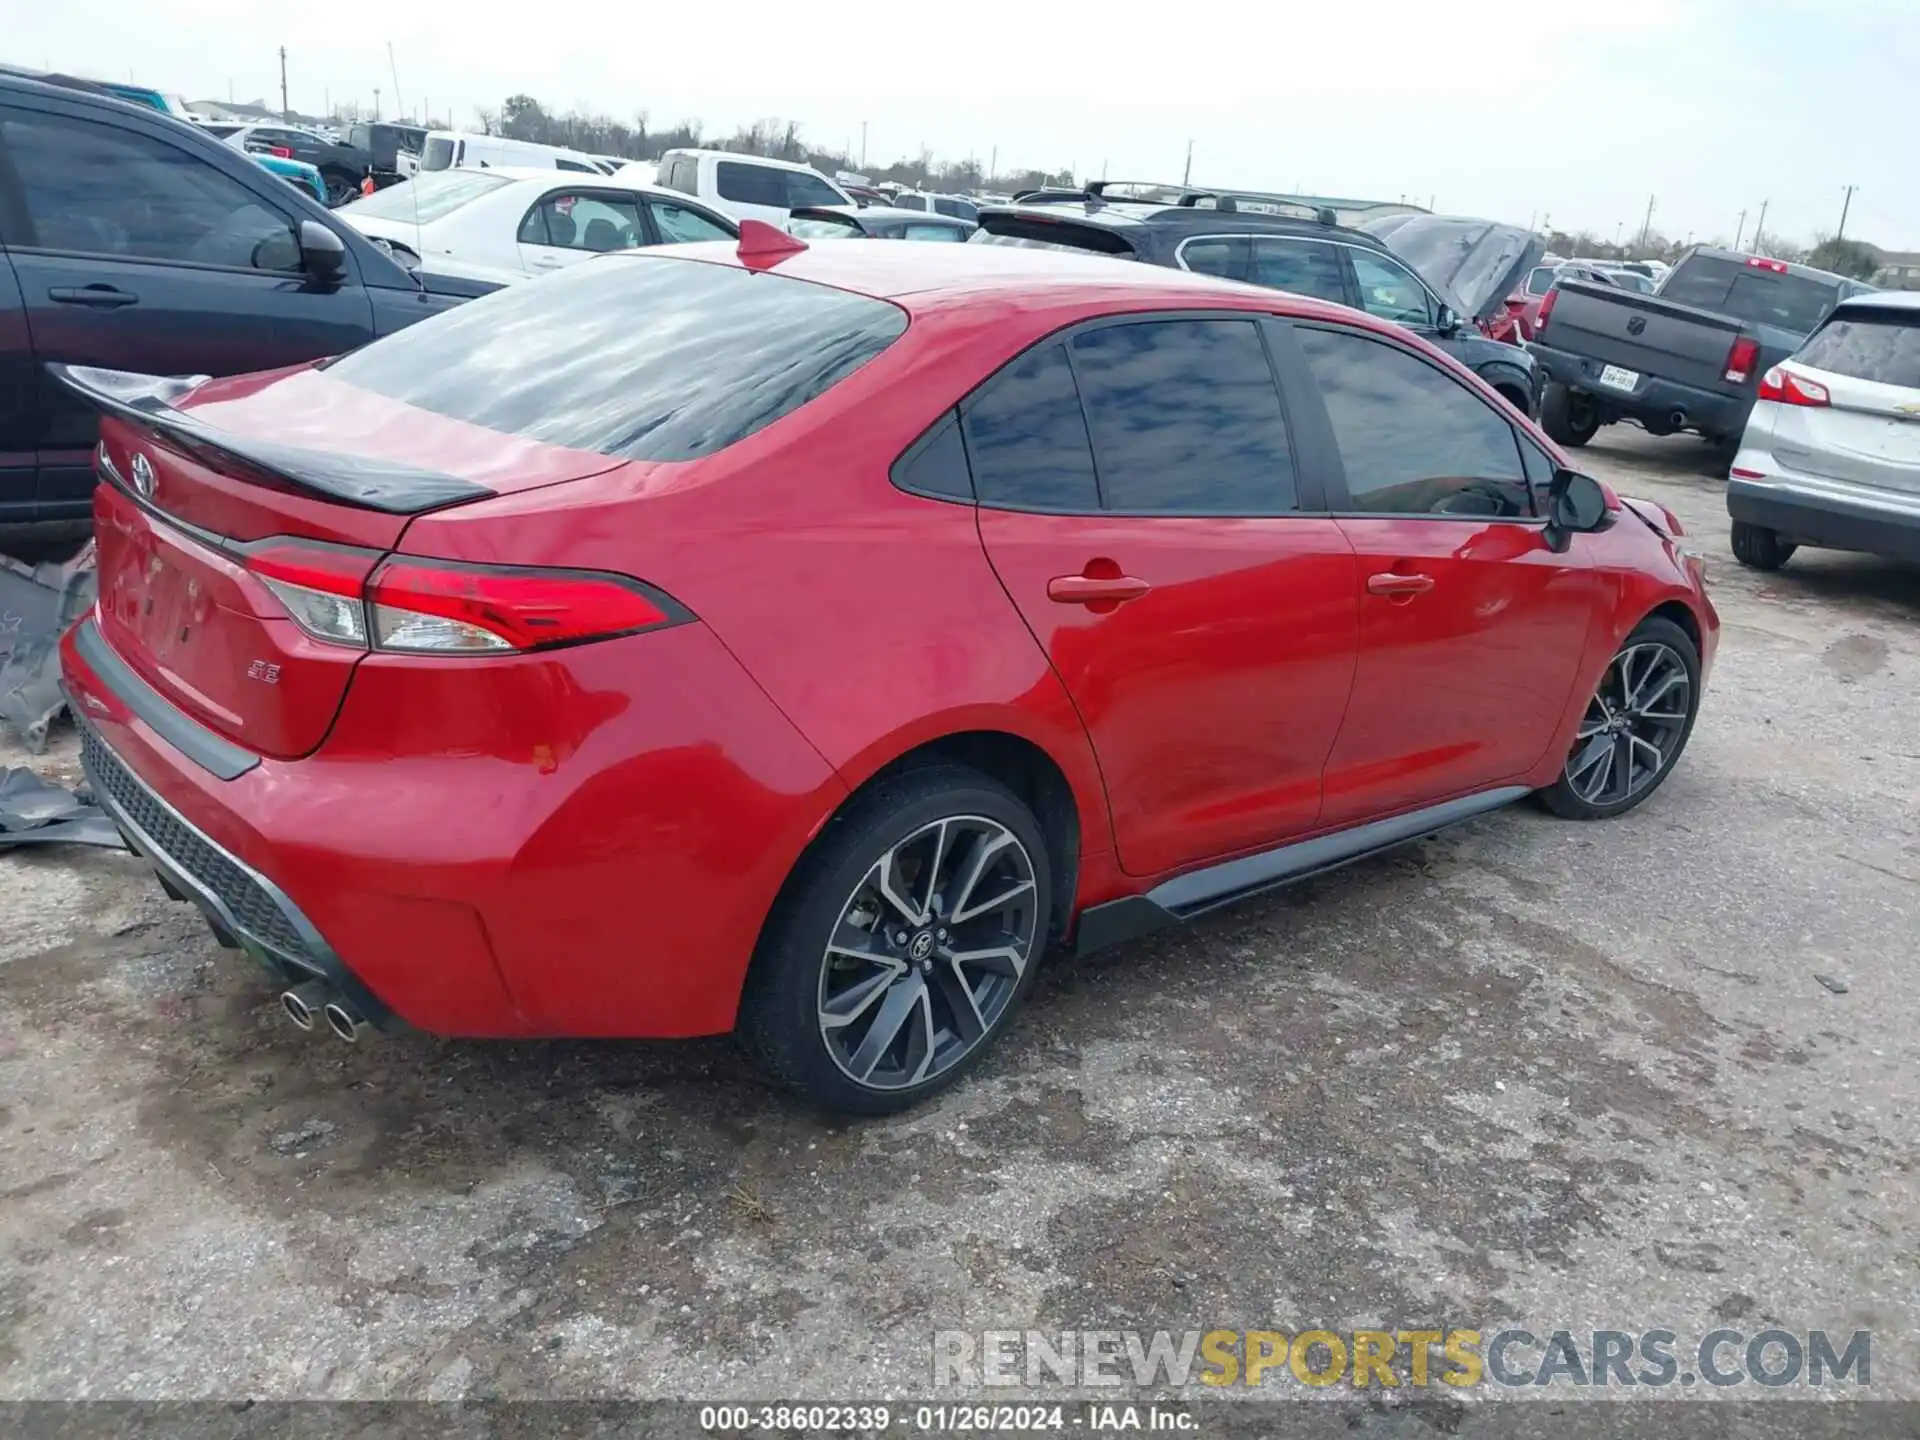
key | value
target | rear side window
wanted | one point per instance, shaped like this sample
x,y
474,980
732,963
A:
x,y
938,464
1027,438
822,227
679,225
1305,267
1222,255
1882,347
1413,440
643,357
1185,417
754,184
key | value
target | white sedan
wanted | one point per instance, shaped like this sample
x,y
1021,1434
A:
x,y
526,222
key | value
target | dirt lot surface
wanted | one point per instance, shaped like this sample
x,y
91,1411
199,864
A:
x,y
1530,1072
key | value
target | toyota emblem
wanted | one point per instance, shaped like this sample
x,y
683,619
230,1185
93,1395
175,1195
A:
x,y
142,476
1636,325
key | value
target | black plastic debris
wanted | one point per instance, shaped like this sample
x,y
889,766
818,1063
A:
x,y
37,812
37,604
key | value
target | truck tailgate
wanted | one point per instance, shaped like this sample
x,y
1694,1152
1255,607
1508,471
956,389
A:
x,y
1643,333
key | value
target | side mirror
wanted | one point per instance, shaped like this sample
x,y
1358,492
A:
x,y
1576,505
1446,322
323,254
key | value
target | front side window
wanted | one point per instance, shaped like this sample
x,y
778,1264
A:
x,y
582,222
1413,440
102,190
679,225
1027,439
744,184
1540,279
1306,267
1388,290
1185,418
720,353
807,189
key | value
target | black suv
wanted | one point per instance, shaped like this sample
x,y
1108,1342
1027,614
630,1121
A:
x,y
1391,274
132,241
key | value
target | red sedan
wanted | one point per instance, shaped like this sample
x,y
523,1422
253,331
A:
x,y
801,642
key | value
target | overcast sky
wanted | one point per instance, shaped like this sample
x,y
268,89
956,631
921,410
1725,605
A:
x,y
1521,111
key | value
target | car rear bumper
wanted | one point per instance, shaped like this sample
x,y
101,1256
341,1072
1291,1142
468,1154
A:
x,y
550,856
1654,402
1827,514
246,910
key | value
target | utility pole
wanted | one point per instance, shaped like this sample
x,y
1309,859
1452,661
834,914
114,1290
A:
x,y
863,147
1186,175
993,165
1646,229
1845,206
1760,225
1618,226
376,102
285,113
1740,229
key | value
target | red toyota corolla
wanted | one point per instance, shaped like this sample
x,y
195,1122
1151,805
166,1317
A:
x,y
800,642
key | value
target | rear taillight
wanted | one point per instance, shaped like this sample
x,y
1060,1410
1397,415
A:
x,y
280,152
1783,387
427,607
422,606
1546,309
1741,359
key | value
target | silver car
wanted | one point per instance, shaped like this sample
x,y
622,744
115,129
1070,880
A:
x,y
1831,454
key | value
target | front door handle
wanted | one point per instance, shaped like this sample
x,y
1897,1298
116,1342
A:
x,y
98,297
1106,590
1392,583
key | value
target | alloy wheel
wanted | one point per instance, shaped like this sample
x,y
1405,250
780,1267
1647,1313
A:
x,y
1634,725
928,952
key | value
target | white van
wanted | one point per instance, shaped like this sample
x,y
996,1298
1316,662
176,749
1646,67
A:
x,y
460,149
747,187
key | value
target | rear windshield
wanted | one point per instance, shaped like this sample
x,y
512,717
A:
x,y
438,154
640,357
821,227
1884,347
1759,297
428,197
1049,235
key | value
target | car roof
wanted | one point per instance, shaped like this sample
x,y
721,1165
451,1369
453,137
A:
x,y
1805,272
886,212
930,279
1125,216
563,179
1881,300
748,159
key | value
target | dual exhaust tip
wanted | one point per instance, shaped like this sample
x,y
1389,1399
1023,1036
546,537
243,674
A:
x,y
311,1002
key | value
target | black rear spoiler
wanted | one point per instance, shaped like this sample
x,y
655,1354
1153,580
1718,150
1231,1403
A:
x,y
349,479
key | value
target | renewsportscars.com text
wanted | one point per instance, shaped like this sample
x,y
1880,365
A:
x,y
1387,1359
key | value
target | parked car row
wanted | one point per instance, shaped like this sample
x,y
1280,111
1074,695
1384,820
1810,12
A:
x,y
1440,277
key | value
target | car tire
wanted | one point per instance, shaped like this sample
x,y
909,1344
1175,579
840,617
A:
x,y
843,955
1758,548
1569,419
1635,715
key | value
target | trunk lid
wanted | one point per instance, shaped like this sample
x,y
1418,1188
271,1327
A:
x,y
1473,264
201,477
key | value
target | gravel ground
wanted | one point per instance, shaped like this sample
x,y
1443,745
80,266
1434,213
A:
x,y
1527,1073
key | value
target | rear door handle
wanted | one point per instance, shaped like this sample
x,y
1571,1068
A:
x,y
1095,589
1392,583
98,297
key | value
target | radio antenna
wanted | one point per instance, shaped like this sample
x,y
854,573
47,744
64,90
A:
x,y
413,180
